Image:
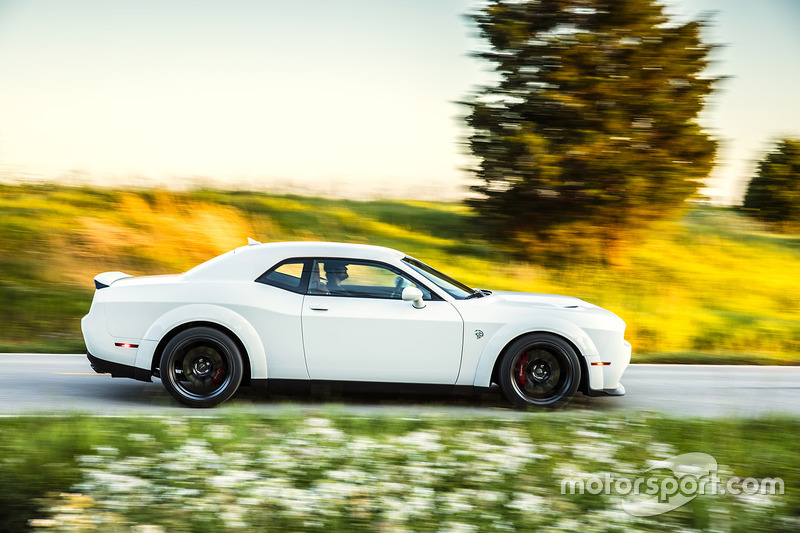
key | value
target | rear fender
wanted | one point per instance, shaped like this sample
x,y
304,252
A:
x,y
210,314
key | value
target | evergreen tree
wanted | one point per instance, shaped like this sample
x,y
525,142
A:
x,y
592,123
774,194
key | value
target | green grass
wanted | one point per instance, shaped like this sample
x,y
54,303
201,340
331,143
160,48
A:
x,y
713,287
320,471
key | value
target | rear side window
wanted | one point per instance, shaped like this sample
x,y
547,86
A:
x,y
289,275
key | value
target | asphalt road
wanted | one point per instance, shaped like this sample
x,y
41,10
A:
x,y
40,383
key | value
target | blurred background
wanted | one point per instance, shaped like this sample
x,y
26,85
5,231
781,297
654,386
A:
x,y
642,156
150,136
352,98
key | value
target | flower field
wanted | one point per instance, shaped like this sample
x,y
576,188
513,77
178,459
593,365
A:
x,y
321,471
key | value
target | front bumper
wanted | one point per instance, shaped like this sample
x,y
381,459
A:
x,y
619,391
604,372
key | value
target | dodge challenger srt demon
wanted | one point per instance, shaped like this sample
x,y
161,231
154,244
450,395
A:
x,y
280,313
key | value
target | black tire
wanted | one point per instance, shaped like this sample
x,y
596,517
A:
x,y
539,369
201,367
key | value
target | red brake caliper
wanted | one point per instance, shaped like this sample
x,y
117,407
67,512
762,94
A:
x,y
521,371
218,374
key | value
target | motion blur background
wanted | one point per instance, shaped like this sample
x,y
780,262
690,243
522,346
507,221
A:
x,y
150,136
346,98
174,109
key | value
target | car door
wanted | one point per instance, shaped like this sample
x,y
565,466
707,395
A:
x,y
356,327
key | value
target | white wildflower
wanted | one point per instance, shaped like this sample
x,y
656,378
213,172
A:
x,y
457,527
141,437
218,431
232,516
758,500
597,451
351,476
106,450
586,434
298,502
147,528
323,428
456,501
427,441
420,501
661,450
395,509
233,478
524,501
489,496
362,445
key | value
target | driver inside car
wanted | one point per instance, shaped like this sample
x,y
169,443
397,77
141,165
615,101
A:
x,y
335,274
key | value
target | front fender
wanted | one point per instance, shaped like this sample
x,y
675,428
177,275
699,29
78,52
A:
x,y
204,313
512,330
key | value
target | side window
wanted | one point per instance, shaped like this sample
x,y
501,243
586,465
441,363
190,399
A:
x,y
359,279
288,276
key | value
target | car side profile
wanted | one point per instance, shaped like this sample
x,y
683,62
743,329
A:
x,y
269,314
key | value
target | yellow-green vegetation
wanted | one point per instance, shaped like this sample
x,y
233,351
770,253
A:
x,y
318,470
714,287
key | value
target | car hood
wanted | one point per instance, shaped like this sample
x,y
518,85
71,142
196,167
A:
x,y
529,299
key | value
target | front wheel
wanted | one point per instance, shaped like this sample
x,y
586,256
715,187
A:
x,y
540,369
201,367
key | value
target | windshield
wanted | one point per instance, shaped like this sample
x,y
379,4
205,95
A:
x,y
454,288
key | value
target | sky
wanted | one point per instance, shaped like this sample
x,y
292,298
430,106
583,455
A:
x,y
347,98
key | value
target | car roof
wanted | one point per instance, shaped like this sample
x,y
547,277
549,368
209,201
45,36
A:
x,y
252,260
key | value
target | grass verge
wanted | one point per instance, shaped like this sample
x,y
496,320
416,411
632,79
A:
x,y
706,288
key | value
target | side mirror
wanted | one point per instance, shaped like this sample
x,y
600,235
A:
x,y
413,295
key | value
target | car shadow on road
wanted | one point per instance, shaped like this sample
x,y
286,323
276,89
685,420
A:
x,y
492,400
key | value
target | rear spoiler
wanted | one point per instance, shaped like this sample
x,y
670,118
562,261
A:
x,y
101,281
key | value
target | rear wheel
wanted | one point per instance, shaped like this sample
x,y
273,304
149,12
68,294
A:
x,y
201,367
540,369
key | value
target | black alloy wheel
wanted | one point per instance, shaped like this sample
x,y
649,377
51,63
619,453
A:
x,y
540,369
201,367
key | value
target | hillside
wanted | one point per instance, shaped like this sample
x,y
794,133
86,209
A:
x,y
714,287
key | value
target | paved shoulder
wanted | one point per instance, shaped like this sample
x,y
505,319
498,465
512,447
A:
x,y
712,390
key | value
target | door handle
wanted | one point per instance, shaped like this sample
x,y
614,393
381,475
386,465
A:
x,y
318,308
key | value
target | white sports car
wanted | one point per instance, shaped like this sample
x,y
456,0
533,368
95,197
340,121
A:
x,y
282,313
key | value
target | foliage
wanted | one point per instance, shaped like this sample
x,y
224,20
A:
x,y
319,471
774,194
590,131
716,287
